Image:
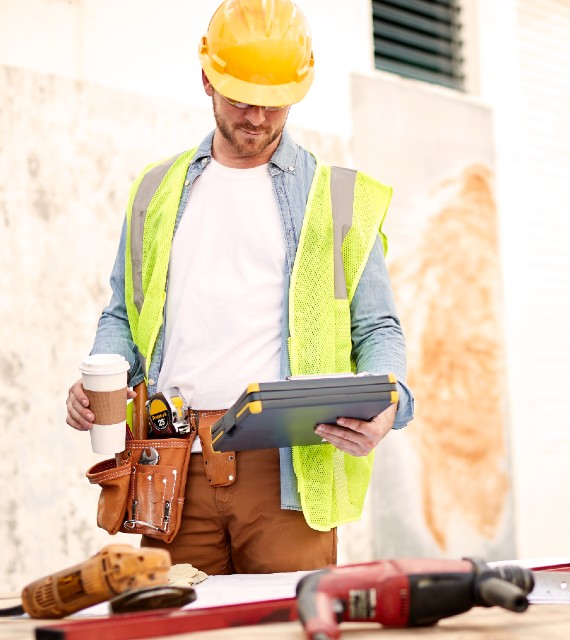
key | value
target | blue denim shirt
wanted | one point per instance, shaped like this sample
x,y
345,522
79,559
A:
x,y
378,341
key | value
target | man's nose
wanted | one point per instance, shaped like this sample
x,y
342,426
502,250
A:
x,y
255,115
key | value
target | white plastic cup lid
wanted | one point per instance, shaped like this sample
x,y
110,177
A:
x,y
104,364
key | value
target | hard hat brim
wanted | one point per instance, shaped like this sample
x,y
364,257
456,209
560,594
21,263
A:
x,y
277,95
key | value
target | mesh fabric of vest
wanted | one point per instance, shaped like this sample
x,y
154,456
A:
x,y
332,485
159,225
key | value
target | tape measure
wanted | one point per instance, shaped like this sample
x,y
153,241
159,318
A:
x,y
167,414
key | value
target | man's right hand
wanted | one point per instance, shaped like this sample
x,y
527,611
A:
x,y
78,414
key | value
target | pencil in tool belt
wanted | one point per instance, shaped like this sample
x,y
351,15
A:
x,y
140,426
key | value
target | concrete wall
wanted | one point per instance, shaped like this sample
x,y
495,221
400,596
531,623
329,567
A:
x,y
451,467
69,152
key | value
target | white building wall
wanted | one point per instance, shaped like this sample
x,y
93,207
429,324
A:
x,y
525,77
150,47
543,29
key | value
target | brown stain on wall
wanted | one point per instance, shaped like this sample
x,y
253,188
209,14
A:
x,y
456,360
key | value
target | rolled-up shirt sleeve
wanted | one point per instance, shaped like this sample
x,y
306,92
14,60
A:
x,y
113,330
378,342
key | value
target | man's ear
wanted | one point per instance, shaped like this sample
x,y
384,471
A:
x,y
208,88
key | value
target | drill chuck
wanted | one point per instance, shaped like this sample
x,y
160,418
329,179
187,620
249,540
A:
x,y
519,576
506,586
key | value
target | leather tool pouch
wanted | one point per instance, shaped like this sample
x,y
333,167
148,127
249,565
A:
x,y
144,498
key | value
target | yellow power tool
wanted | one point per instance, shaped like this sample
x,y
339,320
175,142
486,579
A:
x,y
116,569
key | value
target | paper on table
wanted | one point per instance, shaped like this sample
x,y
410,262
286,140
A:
x,y
238,588
233,589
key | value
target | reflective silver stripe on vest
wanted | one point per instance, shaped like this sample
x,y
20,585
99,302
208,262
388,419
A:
x,y
147,188
342,202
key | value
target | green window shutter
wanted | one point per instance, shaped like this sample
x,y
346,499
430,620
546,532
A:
x,y
419,39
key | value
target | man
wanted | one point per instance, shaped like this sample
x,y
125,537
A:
x,y
238,233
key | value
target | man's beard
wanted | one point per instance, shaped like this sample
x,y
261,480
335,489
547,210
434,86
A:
x,y
247,147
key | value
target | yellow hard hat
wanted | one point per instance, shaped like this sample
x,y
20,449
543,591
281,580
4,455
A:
x,y
259,52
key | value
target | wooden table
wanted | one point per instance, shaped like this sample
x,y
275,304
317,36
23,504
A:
x,y
540,622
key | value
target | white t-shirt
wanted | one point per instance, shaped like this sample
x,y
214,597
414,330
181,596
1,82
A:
x,y
225,288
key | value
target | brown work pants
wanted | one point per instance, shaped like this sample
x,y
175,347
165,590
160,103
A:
x,y
241,528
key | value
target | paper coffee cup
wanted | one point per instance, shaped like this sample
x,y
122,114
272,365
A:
x,y
105,383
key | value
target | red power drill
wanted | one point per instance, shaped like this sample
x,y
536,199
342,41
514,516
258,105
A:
x,y
406,593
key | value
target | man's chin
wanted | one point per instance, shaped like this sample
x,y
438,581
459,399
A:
x,y
250,146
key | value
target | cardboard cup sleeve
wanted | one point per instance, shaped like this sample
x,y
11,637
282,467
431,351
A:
x,y
108,407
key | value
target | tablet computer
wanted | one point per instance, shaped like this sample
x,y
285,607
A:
x,y
301,386
290,421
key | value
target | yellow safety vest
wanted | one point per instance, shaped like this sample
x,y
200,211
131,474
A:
x,y
345,212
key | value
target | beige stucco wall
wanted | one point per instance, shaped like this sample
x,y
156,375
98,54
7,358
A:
x,y
69,151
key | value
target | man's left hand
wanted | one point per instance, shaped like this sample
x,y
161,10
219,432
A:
x,y
358,437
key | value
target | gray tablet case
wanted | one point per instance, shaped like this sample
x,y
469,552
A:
x,y
285,413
